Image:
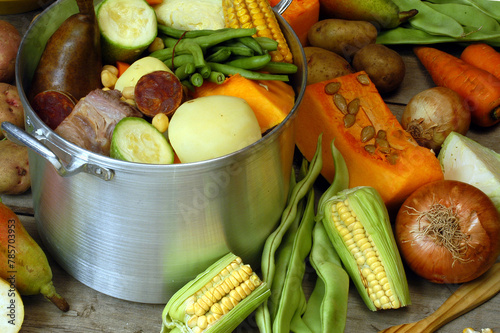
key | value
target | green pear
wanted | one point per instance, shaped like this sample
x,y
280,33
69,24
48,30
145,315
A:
x,y
384,14
23,263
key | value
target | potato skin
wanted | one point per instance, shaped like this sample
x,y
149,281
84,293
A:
x,y
11,109
10,39
384,66
324,65
14,168
344,37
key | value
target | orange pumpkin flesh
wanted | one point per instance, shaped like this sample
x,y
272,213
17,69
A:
x,y
301,15
395,175
271,101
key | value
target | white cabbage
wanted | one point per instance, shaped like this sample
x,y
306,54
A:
x,y
468,161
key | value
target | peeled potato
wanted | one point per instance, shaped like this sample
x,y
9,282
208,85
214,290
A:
x,y
137,69
212,126
12,308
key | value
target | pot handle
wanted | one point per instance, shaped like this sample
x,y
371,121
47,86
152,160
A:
x,y
75,166
282,6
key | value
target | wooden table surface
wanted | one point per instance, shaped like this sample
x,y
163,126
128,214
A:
x,y
92,311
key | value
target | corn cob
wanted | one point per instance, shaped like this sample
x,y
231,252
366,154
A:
x,y
257,14
217,300
358,225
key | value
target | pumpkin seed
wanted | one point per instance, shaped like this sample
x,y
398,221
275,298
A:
x,y
349,120
367,133
384,150
370,148
332,87
363,79
381,143
353,106
340,102
381,134
392,158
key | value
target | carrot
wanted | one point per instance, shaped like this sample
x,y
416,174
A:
x,y
154,2
122,67
479,88
483,56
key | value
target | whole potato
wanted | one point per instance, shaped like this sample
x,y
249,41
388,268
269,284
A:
x,y
343,37
384,66
10,39
11,109
14,168
324,65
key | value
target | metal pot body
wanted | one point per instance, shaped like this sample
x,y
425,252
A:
x,y
136,231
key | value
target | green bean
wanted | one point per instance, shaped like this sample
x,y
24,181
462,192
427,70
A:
x,y
431,20
220,55
183,71
167,53
205,71
178,33
293,299
196,51
326,310
222,36
274,240
216,77
267,43
284,251
251,43
170,42
254,62
468,16
187,83
230,70
235,50
179,60
280,68
196,79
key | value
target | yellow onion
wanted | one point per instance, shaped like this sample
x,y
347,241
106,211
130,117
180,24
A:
x,y
433,113
448,232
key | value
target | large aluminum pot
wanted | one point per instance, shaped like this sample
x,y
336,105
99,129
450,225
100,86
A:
x,y
136,231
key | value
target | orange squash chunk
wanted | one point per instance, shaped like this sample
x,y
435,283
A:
x,y
271,101
395,166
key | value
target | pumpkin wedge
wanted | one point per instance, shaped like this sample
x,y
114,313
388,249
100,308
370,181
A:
x,y
271,101
377,150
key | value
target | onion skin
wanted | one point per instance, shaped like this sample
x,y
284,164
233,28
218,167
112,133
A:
x,y
433,113
478,218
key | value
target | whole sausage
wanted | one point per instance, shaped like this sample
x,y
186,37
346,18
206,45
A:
x,y
71,61
158,92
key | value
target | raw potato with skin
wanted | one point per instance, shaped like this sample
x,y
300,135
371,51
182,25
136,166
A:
x,y
10,39
14,168
384,66
343,37
324,65
11,109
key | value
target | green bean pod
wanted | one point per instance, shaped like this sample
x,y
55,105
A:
x,y
267,43
251,43
196,79
220,55
326,310
182,72
275,67
223,35
216,77
179,60
293,299
430,20
251,63
274,240
235,50
179,33
251,75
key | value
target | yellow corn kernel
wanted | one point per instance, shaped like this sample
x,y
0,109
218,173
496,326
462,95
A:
x,y
257,14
